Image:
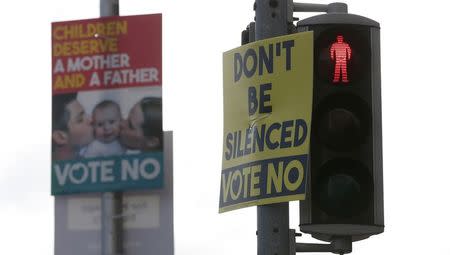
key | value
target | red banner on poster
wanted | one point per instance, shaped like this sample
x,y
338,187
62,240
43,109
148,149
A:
x,y
106,53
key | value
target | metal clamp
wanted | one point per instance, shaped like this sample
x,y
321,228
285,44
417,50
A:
x,y
339,245
328,8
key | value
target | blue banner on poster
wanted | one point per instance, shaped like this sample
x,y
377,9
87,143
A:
x,y
139,171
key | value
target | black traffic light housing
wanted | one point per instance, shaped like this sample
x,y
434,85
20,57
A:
x,y
345,176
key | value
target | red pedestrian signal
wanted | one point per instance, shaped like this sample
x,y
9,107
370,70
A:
x,y
340,54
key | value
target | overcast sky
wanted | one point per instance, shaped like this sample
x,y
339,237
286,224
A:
x,y
415,43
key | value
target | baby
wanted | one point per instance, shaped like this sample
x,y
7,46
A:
x,y
106,118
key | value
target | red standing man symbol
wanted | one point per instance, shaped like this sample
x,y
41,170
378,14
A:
x,y
340,52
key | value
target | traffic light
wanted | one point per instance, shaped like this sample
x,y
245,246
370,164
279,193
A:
x,y
345,177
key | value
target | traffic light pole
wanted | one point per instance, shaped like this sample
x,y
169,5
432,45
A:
x,y
112,221
272,19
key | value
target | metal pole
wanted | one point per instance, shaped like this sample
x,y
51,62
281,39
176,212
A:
x,y
273,18
112,223
109,8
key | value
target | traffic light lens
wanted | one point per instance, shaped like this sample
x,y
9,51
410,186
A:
x,y
343,122
338,193
340,128
341,56
344,188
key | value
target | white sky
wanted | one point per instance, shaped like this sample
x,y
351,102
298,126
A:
x,y
415,69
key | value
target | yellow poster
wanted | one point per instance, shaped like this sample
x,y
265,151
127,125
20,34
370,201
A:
x,y
267,87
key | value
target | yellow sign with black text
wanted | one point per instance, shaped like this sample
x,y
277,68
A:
x,y
267,88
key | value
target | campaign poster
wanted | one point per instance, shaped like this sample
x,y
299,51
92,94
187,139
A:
x,y
107,104
267,88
